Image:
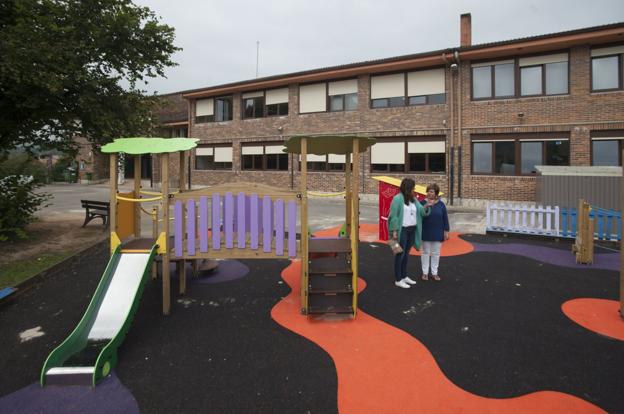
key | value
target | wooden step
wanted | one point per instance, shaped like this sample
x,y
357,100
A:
x,y
330,303
330,284
337,245
330,266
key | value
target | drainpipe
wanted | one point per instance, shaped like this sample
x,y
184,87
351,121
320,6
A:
x,y
451,169
459,124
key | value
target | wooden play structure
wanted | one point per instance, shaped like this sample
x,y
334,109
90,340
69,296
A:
x,y
584,242
241,221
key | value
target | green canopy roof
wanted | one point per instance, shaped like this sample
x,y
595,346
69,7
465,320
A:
x,y
137,146
328,144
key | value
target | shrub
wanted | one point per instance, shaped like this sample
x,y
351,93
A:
x,y
18,204
23,164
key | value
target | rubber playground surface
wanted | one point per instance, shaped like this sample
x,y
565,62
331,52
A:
x,y
514,326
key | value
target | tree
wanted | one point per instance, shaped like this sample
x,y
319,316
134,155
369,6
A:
x,y
63,66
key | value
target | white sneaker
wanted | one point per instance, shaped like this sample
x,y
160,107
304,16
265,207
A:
x,y
402,284
409,281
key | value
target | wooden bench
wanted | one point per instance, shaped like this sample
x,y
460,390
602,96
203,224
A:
x,y
94,209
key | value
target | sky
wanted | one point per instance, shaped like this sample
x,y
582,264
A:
x,y
219,37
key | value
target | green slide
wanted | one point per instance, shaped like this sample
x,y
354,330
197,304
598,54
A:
x,y
90,351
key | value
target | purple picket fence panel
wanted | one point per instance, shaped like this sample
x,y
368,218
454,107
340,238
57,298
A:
x,y
279,227
247,215
266,224
292,229
178,221
203,224
241,220
254,222
190,227
228,224
235,210
216,222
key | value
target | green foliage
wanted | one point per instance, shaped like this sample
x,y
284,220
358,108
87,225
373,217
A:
x,y
63,66
24,164
18,204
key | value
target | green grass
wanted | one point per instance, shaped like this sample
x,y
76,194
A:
x,y
17,271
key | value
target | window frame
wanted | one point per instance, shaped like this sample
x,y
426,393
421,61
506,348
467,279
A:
x,y
405,97
213,146
517,139
264,157
620,87
205,119
406,164
607,135
263,111
518,78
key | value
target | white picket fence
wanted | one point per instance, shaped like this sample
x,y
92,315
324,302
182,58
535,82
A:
x,y
524,219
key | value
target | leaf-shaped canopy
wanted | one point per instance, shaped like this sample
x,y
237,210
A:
x,y
137,146
328,144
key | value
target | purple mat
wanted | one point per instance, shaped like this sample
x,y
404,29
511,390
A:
x,y
226,271
558,257
110,396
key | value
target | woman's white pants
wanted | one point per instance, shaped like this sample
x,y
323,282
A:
x,y
430,254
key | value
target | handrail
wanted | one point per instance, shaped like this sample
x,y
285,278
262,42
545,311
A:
x,y
139,200
154,193
326,194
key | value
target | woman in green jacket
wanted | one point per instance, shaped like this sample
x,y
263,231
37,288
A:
x,y
405,225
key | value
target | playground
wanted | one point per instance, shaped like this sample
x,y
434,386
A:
x,y
516,325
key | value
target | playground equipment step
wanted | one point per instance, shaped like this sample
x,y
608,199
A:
x,y
330,302
330,284
70,376
337,245
330,265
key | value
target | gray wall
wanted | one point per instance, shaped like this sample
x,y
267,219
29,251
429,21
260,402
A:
x,y
565,191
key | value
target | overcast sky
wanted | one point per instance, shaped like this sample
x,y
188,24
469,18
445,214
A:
x,y
219,37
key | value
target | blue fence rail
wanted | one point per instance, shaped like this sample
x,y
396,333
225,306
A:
x,y
607,223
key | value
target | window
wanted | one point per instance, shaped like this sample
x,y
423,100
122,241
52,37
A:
x,y
213,157
213,110
538,75
493,79
388,90
518,156
426,87
607,68
544,75
264,157
607,148
342,95
313,98
422,156
277,102
329,162
253,105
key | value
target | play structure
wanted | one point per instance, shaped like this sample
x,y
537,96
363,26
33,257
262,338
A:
x,y
583,246
228,221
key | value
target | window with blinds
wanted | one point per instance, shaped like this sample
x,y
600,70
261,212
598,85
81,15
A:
x,y
213,157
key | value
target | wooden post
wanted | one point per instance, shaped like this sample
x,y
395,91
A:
x,y
182,188
137,194
622,249
112,218
304,226
166,277
154,236
348,194
355,220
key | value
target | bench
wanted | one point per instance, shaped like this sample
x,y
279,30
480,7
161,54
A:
x,y
94,209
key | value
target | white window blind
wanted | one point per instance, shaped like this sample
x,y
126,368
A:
x,y
498,62
253,94
276,96
343,87
312,98
426,82
314,157
252,150
387,86
338,158
388,153
204,107
274,149
203,151
540,60
426,147
603,51
223,154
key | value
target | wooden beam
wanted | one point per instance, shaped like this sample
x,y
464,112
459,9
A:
x,y
355,220
112,214
304,226
622,248
348,193
137,194
182,185
166,276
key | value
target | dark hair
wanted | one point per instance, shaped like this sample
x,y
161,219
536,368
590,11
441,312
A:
x,y
434,187
407,189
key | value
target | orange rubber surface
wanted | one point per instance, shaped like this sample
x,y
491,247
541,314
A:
x,y
598,315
